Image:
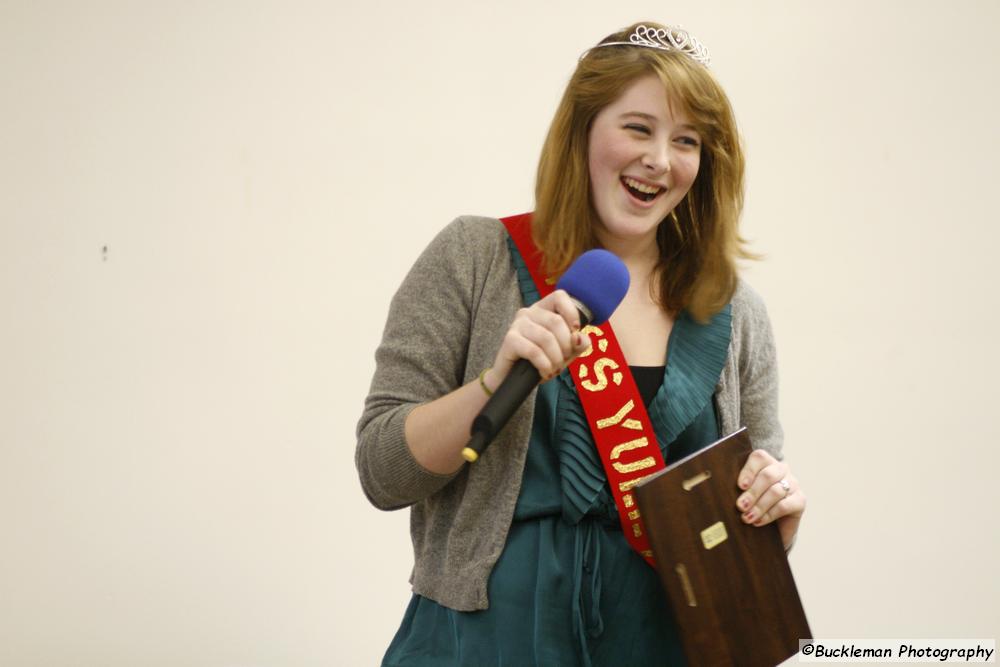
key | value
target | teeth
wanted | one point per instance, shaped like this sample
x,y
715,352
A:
x,y
641,187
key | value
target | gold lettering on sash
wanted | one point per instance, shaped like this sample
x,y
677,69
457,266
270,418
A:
x,y
634,514
638,443
616,418
647,553
637,530
628,500
647,462
600,364
602,379
602,344
630,484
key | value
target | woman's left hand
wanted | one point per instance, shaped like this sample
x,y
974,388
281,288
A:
x,y
770,493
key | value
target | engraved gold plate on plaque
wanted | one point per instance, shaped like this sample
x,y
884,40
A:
x,y
692,482
714,535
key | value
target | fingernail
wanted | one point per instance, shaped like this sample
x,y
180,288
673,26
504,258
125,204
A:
x,y
577,339
744,502
744,483
749,516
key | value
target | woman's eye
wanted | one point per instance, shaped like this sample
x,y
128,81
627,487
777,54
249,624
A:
x,y
638,128
690,141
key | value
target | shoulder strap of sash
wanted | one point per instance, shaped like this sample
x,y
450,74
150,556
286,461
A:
x,y
611,402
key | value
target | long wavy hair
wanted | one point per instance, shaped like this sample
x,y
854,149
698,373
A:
x,y
699,240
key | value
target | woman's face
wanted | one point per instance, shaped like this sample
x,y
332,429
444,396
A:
x,y
642,159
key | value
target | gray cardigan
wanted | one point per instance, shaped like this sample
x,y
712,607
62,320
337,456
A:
x,y
445,325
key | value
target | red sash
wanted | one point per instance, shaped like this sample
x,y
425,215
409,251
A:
x,y
611,402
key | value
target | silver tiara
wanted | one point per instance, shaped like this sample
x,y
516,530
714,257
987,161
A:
x,y
666,39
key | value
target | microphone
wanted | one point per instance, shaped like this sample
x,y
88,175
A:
x,y
597,282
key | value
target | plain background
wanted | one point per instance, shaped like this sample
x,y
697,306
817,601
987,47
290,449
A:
x,y
206,207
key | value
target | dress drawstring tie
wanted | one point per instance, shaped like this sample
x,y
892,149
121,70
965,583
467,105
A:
x,y
587,620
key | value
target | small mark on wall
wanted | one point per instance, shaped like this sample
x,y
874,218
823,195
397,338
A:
x,y
104,253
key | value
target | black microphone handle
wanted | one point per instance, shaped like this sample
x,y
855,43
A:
x,y
501,405
521,379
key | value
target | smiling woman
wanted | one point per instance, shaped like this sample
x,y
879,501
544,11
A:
x,y
642,161
700,245
530,556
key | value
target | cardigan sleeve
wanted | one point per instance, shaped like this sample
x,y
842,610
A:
x,y
421,357
758,373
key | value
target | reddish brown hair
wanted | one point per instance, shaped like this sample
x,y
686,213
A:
x,y
699,241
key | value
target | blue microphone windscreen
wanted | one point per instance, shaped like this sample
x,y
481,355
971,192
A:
x,y
599,280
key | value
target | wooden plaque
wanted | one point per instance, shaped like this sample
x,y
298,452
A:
x,y
729,583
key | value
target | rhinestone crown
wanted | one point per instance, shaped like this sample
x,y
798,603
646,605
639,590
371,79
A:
x,y
666,39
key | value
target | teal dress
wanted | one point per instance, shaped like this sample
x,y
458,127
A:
x,y
568,590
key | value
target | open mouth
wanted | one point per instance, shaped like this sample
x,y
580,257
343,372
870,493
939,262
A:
x,y
641,191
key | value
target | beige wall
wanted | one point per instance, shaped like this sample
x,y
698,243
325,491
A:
x,y
177,483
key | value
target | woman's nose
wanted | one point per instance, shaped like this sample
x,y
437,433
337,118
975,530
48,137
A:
x,y
657,158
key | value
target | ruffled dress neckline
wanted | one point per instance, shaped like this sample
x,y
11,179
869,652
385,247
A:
x,y
696,355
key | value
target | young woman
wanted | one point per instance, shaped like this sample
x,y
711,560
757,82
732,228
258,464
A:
x,y
521,558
